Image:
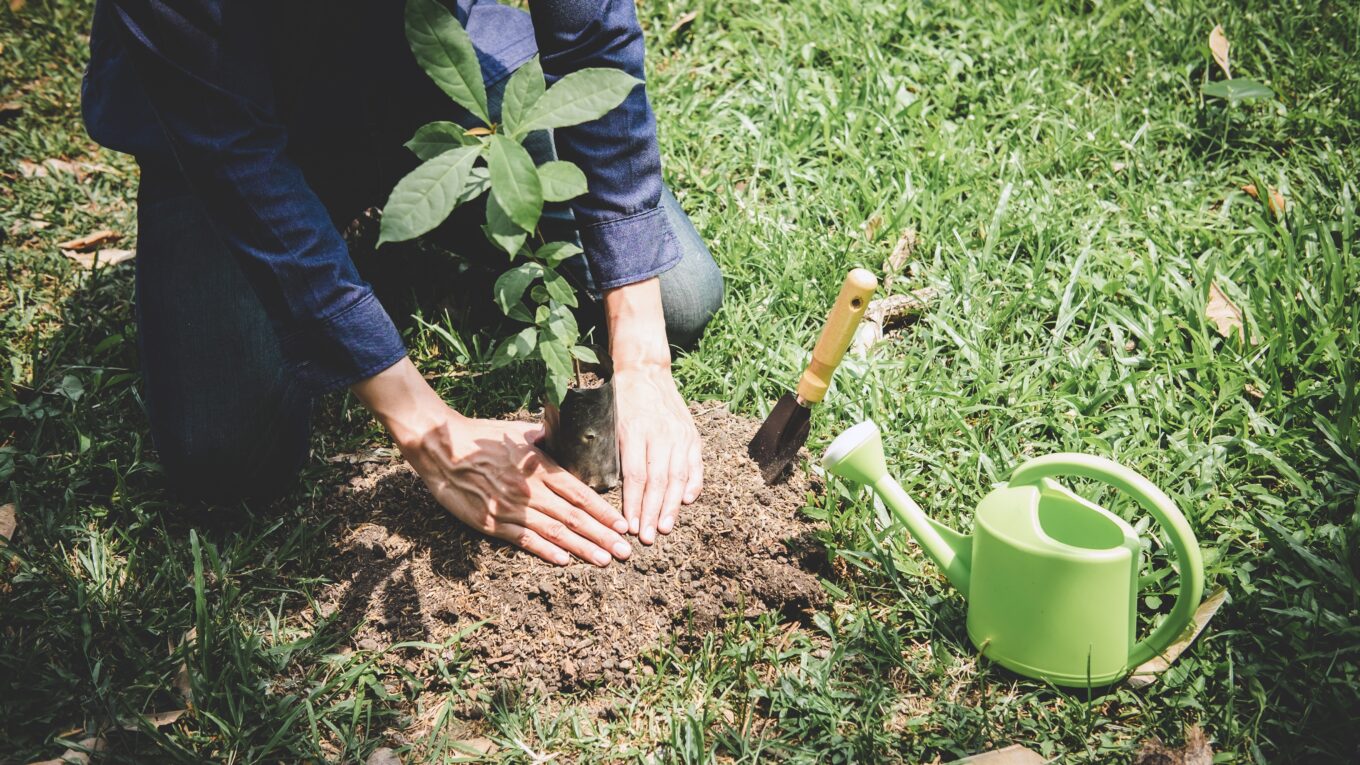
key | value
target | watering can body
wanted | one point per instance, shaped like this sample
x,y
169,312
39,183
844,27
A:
x,y
1050,578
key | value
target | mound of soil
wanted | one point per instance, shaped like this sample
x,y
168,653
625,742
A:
x,y
406,570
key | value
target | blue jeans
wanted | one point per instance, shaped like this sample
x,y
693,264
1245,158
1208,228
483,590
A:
x,y
226,419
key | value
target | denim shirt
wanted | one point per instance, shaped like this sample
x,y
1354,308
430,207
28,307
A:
x,y
288,117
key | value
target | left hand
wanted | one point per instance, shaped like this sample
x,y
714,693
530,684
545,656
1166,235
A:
x,y
658,444
658,449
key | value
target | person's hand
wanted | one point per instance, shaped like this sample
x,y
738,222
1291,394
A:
x,y
658,446
658,449
491,475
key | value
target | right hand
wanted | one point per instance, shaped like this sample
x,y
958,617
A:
x,y
491,475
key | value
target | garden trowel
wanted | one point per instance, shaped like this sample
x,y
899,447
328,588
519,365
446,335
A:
x,y
785,431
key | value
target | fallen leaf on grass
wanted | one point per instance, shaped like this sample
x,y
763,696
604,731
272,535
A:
x,y
1223,313
81,170
383,756
1218,45
1014,754
1274,199
156,719
885,314
1147,672
482,746
1195,752
17,5
90,241
182,684
10,109
102,257
79,756
7,522
906,245
871,226
685,20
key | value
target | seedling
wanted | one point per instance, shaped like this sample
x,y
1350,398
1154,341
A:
x,y
462,165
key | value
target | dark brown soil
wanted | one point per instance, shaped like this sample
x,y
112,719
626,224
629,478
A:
x,y
406,570
586,380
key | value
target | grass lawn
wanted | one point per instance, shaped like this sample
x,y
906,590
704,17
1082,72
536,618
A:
x,y
1074,196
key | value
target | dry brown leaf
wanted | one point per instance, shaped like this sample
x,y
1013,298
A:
x,y
29,169
383,756
483,746
871,227
157,719
1274,200
89,260
1195,752
1014,754
1254,391
10,109
685,20
90,241
1148,671
17,5
906,245
76,756
887,313
183,685
7,522
1218,45
1223,313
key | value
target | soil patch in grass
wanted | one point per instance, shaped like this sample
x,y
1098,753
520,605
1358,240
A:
x,y
406,570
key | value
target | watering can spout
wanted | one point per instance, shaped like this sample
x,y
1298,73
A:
x,y
857,455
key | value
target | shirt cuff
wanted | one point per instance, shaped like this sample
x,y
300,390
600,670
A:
x,y
344,348
630,249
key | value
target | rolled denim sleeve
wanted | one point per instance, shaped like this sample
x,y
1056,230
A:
x,y
203,66
625,233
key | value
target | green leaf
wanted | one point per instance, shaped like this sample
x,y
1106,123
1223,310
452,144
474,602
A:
x,y
560,324
559,288
557,358
521,93
510,287
585,354
561,181
438,137
517,347
514,182
554,253
445,52
478,181
502,231
1237,89
581,96
426,196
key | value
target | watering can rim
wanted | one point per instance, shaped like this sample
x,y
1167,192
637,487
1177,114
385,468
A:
x,y
1055,547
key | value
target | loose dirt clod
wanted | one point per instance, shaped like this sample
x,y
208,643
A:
x,y
405,570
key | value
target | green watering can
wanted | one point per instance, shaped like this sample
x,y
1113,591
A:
x,y
1050,578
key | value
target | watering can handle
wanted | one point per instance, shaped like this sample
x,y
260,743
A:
x,y
1155,501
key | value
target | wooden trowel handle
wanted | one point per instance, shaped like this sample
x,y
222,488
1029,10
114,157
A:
x,y
840,328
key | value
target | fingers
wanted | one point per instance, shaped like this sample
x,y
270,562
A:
x,y
658,479
677,481
695,484
633,460
528,539
575,530
576,493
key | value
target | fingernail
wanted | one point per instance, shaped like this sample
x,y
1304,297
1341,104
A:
x,y
632,526
667,523
601,558
622,550
647,536
563,559
620,526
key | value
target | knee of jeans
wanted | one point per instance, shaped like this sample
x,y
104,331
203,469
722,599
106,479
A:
x,y
232,466
686,324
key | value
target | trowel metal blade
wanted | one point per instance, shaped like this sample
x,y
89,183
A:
x,y
777,442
